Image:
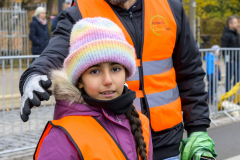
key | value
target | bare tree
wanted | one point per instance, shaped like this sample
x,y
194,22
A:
x,y
49,13
2,2
25,3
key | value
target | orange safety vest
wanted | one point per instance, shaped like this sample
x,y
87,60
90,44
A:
x,y
155,70
90,138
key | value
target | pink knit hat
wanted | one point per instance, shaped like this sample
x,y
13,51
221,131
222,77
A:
x,y
97,40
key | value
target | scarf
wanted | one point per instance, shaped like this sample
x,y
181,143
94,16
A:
x,y
42,21
119,105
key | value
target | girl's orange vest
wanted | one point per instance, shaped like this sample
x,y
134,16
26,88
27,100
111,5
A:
x,y
158,77
90,138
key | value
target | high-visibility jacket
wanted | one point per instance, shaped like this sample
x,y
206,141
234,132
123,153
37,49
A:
x,y
90,138
155,78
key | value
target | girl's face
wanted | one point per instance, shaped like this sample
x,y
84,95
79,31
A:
x,y
104,81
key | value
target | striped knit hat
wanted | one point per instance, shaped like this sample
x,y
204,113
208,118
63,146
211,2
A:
x,y
97,40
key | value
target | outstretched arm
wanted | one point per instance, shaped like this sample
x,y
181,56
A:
x,y
57,50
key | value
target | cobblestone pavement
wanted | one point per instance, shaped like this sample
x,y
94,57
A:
x,y
15,134
20,155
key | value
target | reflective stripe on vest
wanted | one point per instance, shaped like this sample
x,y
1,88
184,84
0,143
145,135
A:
x,y
160,89
90,138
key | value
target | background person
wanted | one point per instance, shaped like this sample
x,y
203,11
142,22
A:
x,y
230,39
39,33
65,5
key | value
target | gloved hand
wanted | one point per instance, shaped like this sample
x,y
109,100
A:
x,y
34,91
196,145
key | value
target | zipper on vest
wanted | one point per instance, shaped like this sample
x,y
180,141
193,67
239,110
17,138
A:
x,y
136,34
139,56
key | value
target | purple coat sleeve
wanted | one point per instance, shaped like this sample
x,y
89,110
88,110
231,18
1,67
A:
x,y
57,145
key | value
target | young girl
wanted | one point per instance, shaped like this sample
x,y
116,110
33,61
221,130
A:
x,y
94,115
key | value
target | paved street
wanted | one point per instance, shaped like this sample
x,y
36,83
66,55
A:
x,y
227,140
20,155
15,134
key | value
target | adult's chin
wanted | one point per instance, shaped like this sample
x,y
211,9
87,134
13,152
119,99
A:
x,y
116,2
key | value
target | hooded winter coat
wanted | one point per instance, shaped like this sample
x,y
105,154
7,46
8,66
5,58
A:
x,y
39,35
57,145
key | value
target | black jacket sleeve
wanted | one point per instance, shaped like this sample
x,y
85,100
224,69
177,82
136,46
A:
x,y
189,74
57,50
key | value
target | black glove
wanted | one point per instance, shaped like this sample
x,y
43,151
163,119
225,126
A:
x,y
34,91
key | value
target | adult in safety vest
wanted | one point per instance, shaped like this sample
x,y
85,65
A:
x,y
169,79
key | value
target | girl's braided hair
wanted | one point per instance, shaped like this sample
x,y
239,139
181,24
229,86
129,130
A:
x,y
136,129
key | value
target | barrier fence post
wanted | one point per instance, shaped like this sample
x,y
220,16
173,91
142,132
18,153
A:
x,y
3,100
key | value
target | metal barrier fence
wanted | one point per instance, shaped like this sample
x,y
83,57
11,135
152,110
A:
x,y
14,31
16,135
222,81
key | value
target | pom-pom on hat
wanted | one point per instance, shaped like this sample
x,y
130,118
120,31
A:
x,y
97,40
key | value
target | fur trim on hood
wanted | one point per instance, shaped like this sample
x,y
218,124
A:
x,y
62,89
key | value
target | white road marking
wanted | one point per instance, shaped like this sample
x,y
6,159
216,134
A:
x,y
234,158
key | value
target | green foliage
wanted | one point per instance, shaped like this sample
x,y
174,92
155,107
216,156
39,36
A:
x,y
214,28
215,8
213,15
